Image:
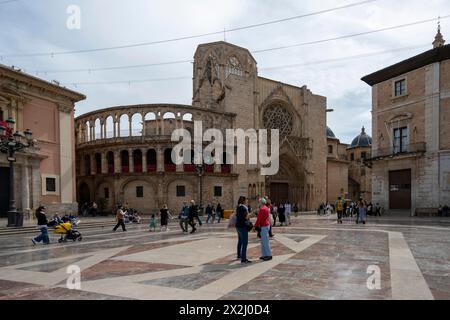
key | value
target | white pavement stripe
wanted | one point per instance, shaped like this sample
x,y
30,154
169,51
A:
x,y
407,281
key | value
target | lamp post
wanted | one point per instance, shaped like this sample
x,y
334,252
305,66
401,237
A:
x,y
10,143
200,168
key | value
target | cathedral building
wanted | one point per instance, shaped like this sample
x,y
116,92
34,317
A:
x,y
118,162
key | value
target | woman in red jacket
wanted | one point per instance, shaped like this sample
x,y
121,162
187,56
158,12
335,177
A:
x,y
263,224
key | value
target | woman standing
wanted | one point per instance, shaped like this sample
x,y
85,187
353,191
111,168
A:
x,y
361,213
164,212
42,225
262,224
241,228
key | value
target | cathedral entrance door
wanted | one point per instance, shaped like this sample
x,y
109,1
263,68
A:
x,y
279,192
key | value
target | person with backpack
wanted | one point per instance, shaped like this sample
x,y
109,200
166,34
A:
x,y
184,218
339,209
193,214
242,223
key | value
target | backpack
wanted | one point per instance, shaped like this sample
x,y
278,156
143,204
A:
x,y
339,206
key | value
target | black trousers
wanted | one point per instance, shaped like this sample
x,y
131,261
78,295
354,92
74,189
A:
x,y
192,224
120,223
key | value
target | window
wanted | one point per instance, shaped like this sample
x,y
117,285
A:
x,y
181,191
1,115
50,184
139,192
352,157
400,87
363,155
330,149
400,140
217,191
233,67
106,193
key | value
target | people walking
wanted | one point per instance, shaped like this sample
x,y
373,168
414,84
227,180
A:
x,y
94,208
242,223
262,225
120,215
219,212
193,213
184,218
281,216
42,225
209,213
362,212
287,212
164,215
339,209
274,214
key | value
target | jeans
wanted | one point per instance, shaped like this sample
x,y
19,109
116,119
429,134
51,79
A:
x,y
120,223
242,243
199,221
339,215
265,242
219,216
209,217
184,224
43,236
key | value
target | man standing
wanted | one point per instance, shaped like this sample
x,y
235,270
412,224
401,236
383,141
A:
x,y
209,212
184,218
339,209
120,216
193,214
287,212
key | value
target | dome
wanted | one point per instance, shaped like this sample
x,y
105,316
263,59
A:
x,y
330,133
362,140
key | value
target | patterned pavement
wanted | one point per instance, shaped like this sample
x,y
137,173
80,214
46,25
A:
x,y
313,259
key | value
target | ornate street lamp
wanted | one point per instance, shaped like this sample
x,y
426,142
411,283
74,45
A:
x,y
200,169
11,143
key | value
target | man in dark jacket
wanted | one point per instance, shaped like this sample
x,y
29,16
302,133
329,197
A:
x,y
193,214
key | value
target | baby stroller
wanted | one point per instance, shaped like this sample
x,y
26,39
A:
x,y
67,231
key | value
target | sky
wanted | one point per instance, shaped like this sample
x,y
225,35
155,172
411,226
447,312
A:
x,y
41,26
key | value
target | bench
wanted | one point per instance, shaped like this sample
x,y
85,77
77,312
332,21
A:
x,y
426,212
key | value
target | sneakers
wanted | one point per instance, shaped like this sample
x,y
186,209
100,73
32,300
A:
x,y
246,261
266,258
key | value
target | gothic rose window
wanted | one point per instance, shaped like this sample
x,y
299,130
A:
x,y
277,117
233,67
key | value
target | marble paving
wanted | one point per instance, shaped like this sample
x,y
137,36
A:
x,y
313,259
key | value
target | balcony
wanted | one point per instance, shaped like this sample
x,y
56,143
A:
x,y
377,154
151,168
170,168
189,168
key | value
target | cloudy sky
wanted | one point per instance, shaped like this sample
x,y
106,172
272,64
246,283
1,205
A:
x,y
40,26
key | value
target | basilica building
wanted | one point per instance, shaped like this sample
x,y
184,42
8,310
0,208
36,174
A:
x,y
123,153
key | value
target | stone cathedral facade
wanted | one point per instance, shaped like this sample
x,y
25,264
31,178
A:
x,y
134,166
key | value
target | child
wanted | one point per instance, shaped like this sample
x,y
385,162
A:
x,y
153,223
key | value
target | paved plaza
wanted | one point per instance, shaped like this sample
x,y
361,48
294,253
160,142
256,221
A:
x,y
315,258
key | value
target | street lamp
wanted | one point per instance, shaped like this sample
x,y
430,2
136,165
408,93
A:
x,y
200,169
11,143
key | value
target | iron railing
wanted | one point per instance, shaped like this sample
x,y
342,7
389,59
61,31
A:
x,y
395,150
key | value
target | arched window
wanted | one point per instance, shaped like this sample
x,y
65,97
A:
x,y
151,160
169,166
233,67
124,126
97,130
109,123
110,161
137,160
278,117
137,125
87,165
125,161
98,163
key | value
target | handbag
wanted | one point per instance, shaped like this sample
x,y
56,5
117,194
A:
x,y
232,222
249,225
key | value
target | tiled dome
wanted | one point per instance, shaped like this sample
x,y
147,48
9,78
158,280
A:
x,y
330,133
362,140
